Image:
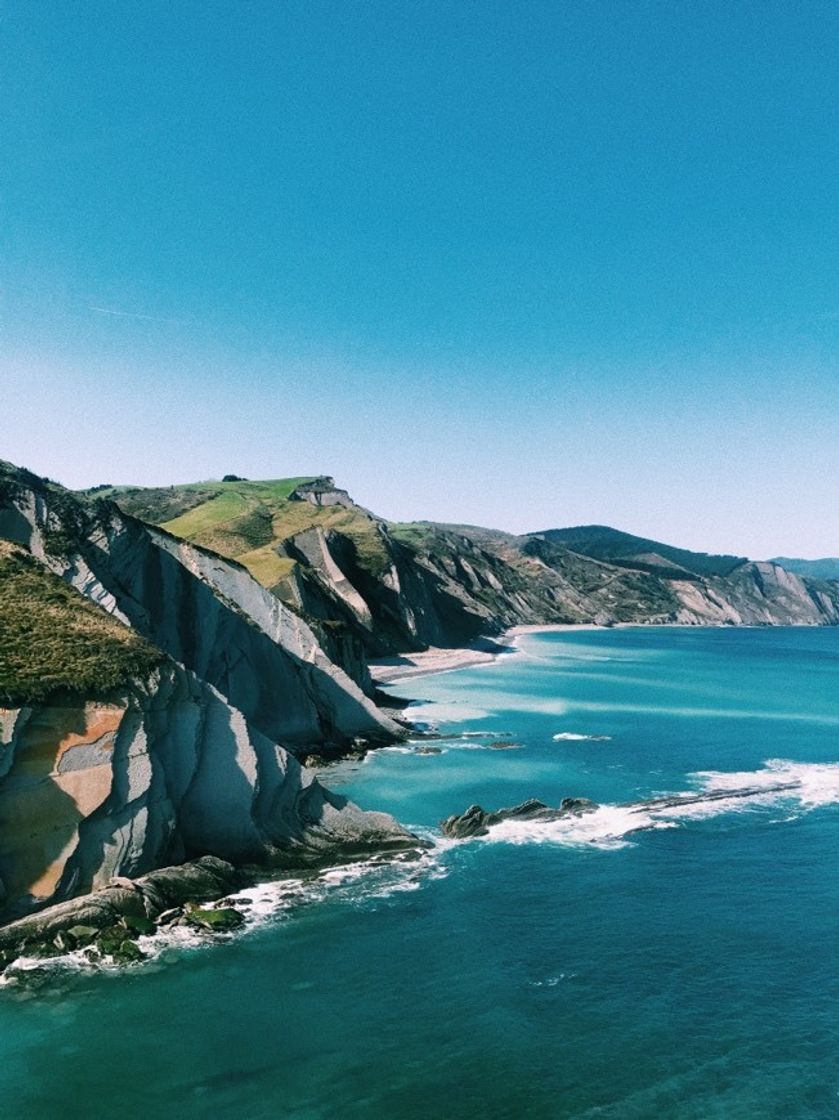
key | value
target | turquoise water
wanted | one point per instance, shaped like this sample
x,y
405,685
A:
x,y
561,971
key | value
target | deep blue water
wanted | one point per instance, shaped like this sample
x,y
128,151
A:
x,y
569,971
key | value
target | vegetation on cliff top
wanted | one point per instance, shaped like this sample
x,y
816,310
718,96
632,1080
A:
x,y
613,546
53,638
246,521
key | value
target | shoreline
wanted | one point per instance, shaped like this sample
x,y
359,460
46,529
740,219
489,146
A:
x,y
441,659
386,671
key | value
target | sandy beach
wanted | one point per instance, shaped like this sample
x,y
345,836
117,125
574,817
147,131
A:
x,y
391,670
555,627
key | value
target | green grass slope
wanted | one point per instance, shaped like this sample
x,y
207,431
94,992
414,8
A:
x,y
52,638
246,521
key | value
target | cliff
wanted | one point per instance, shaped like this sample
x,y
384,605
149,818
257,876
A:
x,y
712,589
159,771
370,588
155,699
167,657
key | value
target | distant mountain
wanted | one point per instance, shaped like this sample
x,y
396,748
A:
x,y
827,568
628,551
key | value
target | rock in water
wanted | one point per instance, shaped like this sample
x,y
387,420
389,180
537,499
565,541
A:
x,y
477,821
576,806
471,823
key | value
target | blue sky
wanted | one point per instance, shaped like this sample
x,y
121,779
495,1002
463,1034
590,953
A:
x,y
519,264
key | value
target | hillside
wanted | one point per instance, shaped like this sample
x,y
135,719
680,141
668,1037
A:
x,y
615,547
826,568
370,588
54,639
154,703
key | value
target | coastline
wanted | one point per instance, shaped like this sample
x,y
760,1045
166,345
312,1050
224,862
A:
x,y
484,651
436,659
441,659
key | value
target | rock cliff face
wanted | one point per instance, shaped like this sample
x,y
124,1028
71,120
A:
x,y
193,757
757,594
162,771
370,588
205,612
447,585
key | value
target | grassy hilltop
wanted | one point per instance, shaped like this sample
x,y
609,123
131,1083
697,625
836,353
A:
x,y
246,521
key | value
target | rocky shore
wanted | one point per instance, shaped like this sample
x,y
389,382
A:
x,y
107,923
477,821
205,895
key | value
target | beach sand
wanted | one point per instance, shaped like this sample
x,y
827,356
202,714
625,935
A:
x,y
390,670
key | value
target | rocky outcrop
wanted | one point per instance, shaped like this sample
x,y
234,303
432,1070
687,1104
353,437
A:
x,y
163,772
477,821
322,492
195,756
120,910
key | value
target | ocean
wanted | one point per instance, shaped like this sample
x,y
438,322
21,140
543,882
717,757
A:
x,y
575,969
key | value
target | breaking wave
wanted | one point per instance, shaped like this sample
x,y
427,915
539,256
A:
x,y
795,787
575,737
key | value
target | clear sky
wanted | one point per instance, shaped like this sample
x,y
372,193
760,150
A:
x,y
523,264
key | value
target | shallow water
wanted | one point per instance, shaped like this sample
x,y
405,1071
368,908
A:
x,y
576,969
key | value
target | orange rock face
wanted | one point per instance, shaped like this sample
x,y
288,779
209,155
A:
x,y
60,775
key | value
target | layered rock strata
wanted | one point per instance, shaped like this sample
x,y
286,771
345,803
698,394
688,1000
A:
x,y
162,772
195,757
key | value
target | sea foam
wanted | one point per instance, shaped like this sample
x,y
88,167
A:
x,y
778,783
576,737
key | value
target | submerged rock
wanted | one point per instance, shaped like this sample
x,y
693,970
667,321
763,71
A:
x,y
477,821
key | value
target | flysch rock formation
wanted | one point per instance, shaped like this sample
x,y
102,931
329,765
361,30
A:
x,y
197,757
166,771
371,588
205,612
758,593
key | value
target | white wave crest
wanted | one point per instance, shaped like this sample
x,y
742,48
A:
x,y
810,783
781,783
576,737
607,827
